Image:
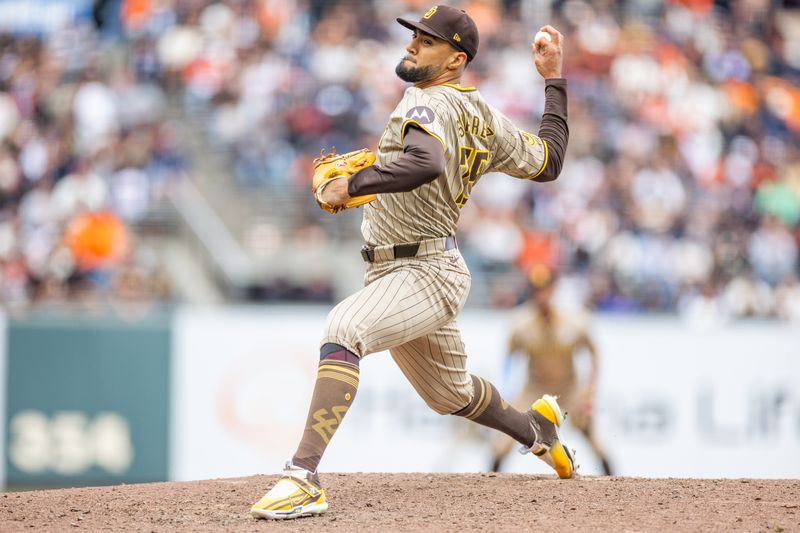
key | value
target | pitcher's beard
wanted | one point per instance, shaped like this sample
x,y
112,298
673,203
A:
x,y
413,74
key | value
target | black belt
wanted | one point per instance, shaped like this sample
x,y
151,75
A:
x,y
404,250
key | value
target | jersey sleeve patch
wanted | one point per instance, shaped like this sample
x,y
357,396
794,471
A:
x,y
421,114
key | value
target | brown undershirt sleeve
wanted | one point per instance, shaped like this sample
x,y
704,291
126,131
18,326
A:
x,y
553,128
422,162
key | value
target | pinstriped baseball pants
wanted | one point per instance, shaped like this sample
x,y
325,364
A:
x,y
409,306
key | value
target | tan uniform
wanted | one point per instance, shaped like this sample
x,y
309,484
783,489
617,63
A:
x,y
409,305
476,138
550,347
550,344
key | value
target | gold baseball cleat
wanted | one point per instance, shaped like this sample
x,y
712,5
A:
x,y
546,417
297,493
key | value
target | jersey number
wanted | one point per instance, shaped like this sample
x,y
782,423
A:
x,y
472,162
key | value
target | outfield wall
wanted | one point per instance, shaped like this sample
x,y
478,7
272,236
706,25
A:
x,y
86,400
218,392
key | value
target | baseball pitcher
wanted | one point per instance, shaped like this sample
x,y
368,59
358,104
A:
x,y
439,141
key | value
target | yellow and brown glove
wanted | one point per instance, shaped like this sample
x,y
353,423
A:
x,y
329,167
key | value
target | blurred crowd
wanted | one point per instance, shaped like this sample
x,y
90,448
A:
x,y
681,189
84,151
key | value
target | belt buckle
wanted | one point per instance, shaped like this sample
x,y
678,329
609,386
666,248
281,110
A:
x,y
368,254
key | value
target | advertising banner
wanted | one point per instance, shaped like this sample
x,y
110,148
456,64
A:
x,y
672,400
86,401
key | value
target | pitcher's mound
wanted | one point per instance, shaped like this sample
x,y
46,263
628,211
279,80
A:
x,y
421,502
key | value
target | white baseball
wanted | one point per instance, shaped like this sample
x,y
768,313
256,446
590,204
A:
x,y
542,36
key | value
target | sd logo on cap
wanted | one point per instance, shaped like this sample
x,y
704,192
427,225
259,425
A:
x,y
448,24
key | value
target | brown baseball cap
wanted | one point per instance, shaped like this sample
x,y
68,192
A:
x,y
449,24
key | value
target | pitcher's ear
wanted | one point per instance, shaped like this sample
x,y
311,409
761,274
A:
x,y
457,60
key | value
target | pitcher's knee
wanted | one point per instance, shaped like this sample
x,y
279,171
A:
x,y
447,404
479,399
343,333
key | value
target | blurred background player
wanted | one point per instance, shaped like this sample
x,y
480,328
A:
x,y
551,338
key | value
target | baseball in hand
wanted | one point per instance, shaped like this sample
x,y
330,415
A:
x,y
542,37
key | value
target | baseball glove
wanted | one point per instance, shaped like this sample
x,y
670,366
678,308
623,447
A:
x,y
329,167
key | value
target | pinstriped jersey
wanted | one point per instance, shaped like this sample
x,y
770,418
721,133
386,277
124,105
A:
x,y
476,139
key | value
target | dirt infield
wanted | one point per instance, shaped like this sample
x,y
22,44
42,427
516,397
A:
x,y
421,502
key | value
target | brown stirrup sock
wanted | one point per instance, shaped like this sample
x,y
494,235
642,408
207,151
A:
x,y
337,383
489,409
